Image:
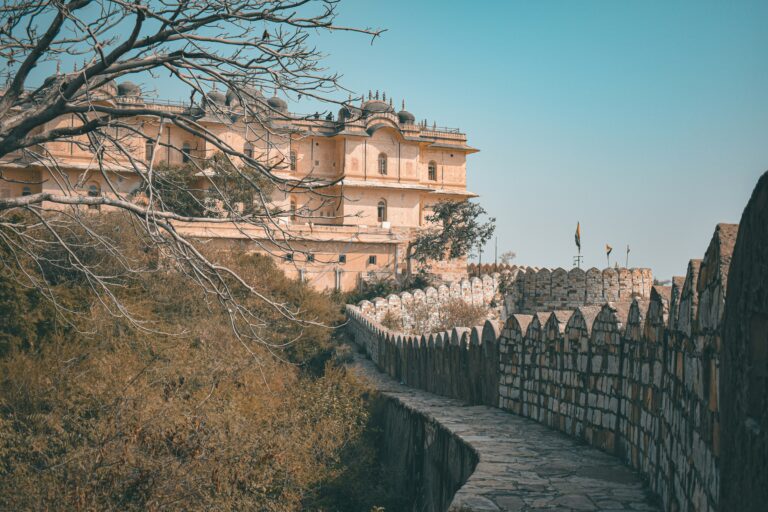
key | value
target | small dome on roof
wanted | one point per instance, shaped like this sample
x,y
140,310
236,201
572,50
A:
x,y
348,112
278,104
406,117
128,89
376,107
216,97
247,93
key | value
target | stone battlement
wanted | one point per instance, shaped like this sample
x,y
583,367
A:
x,y
529,290
480,291
673,383
637,379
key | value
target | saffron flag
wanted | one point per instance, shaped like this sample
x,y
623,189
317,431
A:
x,y
608,249
578,235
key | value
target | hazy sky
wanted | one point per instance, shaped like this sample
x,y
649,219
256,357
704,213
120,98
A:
x,y
645,121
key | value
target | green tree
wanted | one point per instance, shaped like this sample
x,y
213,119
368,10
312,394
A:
x,y
455,227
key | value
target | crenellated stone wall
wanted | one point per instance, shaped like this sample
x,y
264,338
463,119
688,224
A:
x,y
648,380
638,379
743,360
529,290
462,363
479,291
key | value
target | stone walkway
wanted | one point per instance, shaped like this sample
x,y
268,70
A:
x,y
523,466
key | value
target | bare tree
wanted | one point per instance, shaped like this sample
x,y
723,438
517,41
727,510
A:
x,y
507,257
238,46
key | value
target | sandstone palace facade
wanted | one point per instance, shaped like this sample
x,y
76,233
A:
x,y
384,170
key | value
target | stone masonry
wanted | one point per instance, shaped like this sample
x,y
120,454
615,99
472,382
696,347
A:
x,y
645,380
450,456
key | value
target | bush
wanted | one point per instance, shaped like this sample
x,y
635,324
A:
x,y
453,313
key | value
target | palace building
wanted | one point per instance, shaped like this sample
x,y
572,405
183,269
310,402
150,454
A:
x,y
384,170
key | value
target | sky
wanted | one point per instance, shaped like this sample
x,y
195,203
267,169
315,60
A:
x,y
645,121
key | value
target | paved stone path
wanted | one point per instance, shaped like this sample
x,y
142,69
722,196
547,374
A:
x,y
524,466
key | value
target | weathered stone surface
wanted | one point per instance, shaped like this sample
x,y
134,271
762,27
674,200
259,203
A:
x,y
675,386
744,382
497,461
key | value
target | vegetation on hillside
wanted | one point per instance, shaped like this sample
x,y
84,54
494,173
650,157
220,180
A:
x,y
175,413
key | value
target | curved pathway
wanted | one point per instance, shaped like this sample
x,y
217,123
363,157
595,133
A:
x,y
523,466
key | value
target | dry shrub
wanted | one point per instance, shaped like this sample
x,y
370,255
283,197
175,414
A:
x,y
392,321
100,415
426,318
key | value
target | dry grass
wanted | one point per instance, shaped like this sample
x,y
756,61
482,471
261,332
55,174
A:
x,y
427,318
117,418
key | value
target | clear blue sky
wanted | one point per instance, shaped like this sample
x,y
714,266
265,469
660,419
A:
x,y
646,121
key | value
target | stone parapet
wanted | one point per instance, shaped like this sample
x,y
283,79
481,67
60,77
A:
x,y
636,379
674,382
528,290
445,455
479,291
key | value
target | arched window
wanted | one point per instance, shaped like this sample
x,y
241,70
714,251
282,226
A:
x,y
185,150
293,209
382,163
149,149
26,191
248,150
94,190
432,171
381,211
293,160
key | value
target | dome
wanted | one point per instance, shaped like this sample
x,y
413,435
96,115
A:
x,y
406,117
216,97
128,89
250,94
278,104
376,107
348,112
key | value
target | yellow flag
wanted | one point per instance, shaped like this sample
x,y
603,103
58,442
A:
x,y
578,235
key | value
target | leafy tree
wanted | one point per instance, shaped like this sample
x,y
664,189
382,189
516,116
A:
x,y
455,227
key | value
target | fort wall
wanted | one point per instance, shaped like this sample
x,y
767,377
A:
x,y
530,290
479,291
638,379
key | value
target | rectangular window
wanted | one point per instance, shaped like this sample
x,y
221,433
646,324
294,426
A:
x,y
293,160
310,257
342,258
288,256
432,171
371,259
149,148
